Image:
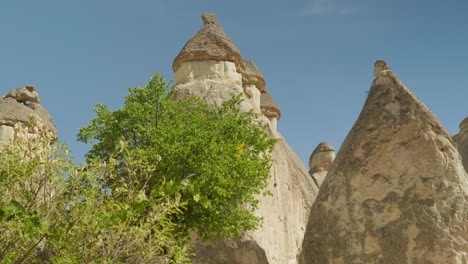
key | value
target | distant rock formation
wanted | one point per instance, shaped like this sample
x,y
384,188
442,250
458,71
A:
x,y
320,162
210,66
397,191
17,106
462,142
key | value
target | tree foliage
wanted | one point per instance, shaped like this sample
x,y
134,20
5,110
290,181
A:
x,y
52,211
158,169
215,158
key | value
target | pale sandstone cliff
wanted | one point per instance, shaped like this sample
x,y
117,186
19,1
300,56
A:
x,y
211,67
17,106
396,192
462,142
320,162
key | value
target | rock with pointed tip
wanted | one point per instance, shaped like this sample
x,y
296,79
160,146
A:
x,y
462,142
397,191
320,162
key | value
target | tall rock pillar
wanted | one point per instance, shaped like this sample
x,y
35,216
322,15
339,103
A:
x,y
210,66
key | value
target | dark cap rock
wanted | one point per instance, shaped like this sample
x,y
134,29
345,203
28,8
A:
x,y
252,75
210,43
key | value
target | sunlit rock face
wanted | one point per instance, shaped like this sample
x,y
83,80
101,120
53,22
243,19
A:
x,y
396,192
17,106
462,142
320,162
210,67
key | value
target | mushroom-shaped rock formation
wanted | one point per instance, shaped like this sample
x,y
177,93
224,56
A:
x,y
462,142
397,191
17,106
209,54
253,83
210,67
320,162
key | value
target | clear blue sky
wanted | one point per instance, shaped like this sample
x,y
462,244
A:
x,y
317,55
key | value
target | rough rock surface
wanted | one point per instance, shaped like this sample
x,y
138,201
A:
x,y
285,213
397,191
210,43
16,106
24,94
462,142
320,162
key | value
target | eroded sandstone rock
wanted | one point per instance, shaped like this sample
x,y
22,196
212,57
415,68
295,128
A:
x,y
210,67
17,106
462,142
396,192
320,162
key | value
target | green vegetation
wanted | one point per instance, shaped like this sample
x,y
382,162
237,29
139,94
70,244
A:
x,y
215,159
158,170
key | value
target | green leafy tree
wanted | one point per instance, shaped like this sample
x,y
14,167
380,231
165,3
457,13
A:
x,y
216,159
52,211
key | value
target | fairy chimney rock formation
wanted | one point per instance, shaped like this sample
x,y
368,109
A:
x,y
320,162
462,142
210,67
397,191
17,106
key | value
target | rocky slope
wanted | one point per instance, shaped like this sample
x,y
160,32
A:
x,y
396,192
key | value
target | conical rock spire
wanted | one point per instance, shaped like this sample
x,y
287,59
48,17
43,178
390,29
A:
x,y
396,192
